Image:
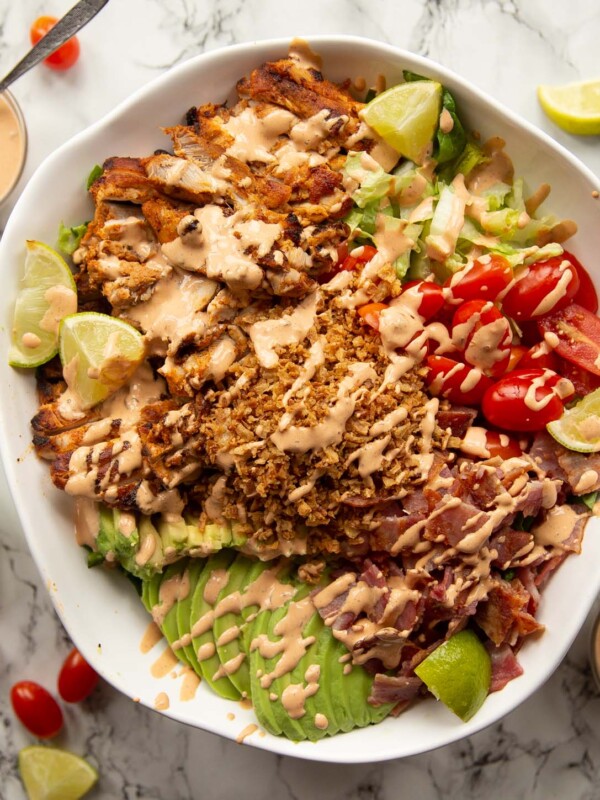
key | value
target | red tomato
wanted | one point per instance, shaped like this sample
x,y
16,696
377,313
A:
x,y
578,332
488,276
507,405
500,444
432,297
586,296
36,709
583,381
370,313
360,255
544,287
540,356
483,334
65,56
76,680
460,383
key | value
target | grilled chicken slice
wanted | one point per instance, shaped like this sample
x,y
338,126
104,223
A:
x,y
122,180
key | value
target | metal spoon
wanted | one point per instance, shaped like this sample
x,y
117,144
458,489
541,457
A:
x,y
73,21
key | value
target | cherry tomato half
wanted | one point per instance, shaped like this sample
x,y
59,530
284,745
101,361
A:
x,y
431,294
483,334
481,443
76,680
36,709
517,351
65,56
578,334
583,381
488,276
360,255
370,314
586,296
523,400
543,287
460,383
540,356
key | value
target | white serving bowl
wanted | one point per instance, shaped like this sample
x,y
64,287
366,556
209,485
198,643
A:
x,y
100,610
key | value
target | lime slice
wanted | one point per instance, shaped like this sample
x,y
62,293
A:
x,y
52,774
46,295
407,117
458,673
99,354
574,107
579,427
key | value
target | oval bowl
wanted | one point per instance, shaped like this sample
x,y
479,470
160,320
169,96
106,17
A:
x,y
99,610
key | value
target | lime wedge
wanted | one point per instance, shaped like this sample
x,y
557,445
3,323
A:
x,y
574,107
579,427
406,117
46,295
99,354
52,774
458,673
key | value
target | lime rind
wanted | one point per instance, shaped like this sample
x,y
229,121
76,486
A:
x,y
44,270
407,117
50,773
578,428
458,673
574,107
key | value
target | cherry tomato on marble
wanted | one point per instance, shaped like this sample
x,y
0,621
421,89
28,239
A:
x,y
542,287
524,400
76,680
586,295
483,335
36,709
459,382
488,276
577,333
431,296
65,56
370,314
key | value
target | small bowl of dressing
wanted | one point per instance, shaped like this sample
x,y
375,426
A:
x,y
13,144
595,650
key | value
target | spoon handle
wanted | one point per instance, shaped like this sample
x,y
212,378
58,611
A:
x,y
65,28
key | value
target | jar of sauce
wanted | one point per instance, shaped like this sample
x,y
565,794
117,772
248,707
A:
x,y
13,144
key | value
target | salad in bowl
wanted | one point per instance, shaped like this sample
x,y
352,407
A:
x,y
319,375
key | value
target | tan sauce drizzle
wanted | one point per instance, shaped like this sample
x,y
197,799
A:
x,y
301,51
474,442
166,662
557,527
289,329
587,480
173,590
247,731
62,302
87,522
152,635
217,581
295,695
30,340
254,136
161,701
189,685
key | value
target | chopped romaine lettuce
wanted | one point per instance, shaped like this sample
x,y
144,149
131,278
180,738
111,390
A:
x,y
373,183
94,175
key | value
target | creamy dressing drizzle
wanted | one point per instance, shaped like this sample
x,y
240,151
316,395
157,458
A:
x,y
290,329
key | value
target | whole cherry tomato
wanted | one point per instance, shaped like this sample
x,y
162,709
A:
x,y
577,333
525,400
431,297
76,680
540,356
36,709
483,335
65,56
488,276
541,288
460,383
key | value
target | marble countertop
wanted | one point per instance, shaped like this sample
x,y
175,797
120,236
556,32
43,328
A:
x,y
550,746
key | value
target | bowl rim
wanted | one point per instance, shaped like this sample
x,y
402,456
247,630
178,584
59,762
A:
x,y
269,743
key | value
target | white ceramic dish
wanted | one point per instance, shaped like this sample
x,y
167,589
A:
x,y
99,609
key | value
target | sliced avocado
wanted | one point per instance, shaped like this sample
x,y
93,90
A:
x,y
169,625
263,707
200,606
110,539
184,608
149,543
227,623
174,536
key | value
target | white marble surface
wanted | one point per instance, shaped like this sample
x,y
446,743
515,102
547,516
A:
x,y
550,747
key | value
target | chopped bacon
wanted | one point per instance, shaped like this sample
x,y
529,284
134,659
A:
x,y
458,419
393,689
503,616
454,522
575,464
508,542
543,451
505,666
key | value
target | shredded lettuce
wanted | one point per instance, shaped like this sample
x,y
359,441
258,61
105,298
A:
x,y
93,176
70,238
373,183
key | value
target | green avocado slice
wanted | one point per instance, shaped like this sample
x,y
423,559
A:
x,y
184,608
260,698
169,625
210,664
